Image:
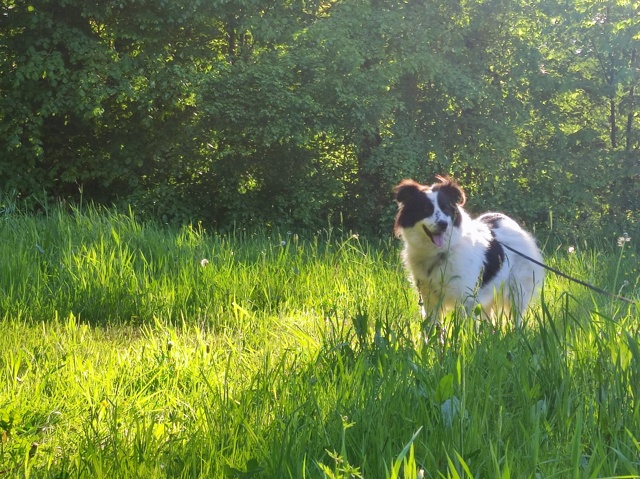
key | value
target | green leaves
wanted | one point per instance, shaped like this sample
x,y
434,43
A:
x,y
294,111
444,390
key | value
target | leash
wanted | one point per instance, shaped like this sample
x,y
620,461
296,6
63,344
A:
x,y
570,278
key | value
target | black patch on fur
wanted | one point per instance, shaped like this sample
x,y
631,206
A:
x,y
448,208
450,195
493,259
491,219
494,255
413,204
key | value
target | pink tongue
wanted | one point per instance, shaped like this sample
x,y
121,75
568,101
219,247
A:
x,y
438,240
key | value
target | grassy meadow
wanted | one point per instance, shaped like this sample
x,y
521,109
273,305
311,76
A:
x,y
129,349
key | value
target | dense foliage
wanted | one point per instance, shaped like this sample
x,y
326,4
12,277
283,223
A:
x,y
289,111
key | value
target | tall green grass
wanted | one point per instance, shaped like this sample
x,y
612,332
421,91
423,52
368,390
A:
x,y
129,349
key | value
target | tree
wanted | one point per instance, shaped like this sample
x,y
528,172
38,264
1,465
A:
x,y
92,95
590,51
294,110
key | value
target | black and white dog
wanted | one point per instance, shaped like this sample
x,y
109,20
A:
x,y
453,259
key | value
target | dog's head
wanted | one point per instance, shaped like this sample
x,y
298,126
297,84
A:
x,y
431,211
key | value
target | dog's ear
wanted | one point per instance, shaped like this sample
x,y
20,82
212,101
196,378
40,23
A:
x,y
405,190
452,190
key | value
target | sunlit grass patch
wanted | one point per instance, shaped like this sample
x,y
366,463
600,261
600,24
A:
x,y
124,354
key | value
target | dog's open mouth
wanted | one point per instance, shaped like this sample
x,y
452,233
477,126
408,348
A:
x,y
436,238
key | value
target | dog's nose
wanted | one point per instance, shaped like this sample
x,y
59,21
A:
x,y
442,225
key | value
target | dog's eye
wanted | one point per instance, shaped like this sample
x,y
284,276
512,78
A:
x,y
428,209
447,209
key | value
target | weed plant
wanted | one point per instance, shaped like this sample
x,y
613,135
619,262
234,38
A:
x,y
129,349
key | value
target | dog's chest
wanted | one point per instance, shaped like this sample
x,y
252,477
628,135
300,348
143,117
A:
x,y
434,266
455,271
432,270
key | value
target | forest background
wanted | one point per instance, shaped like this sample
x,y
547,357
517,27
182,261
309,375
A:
x,y
287,112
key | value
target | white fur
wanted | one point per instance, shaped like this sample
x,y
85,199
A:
x,y
450,274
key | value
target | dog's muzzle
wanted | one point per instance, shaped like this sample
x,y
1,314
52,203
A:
x,y
436,237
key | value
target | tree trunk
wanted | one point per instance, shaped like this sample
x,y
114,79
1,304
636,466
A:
x,y
612,121
631,106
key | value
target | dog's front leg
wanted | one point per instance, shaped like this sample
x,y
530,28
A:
x,y
432,307
433,311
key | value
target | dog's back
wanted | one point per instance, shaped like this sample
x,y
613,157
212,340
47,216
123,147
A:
x,y
521,278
